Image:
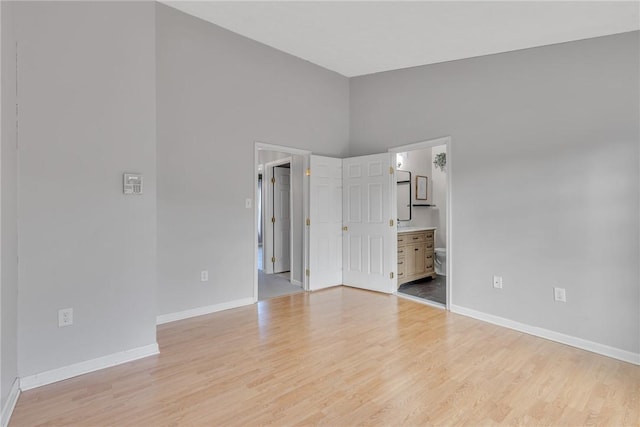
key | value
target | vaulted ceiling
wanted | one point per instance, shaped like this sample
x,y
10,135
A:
x,y
364,37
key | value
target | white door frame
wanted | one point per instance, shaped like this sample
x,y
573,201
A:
x,y
446,140
267,197
258,146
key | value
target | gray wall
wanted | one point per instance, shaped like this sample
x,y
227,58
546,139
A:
x,y
545,172
544,166
87,114
218,93
9,225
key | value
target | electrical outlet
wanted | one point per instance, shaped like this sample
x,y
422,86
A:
x,y
497,282
65,317
560,294
204,276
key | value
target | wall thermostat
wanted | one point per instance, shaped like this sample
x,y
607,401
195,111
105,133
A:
x,y
132,183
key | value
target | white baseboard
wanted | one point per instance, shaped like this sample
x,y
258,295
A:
x,y
580,343
10,404
55,375
296,282
199,311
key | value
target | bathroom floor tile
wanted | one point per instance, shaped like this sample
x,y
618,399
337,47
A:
x,y
429,289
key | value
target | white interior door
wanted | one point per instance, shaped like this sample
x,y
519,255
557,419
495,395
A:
x,y
325,229
281,219
369,242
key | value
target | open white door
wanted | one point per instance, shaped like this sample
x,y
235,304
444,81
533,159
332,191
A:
x,y
281,219
369,240
325,222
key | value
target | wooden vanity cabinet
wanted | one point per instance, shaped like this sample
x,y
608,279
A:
x,y
415,255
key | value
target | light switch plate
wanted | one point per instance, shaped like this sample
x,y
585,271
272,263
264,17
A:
x,y
132,183
560,294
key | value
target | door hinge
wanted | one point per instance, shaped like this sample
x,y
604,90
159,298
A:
x,y
273,219
390,170
308,172
391,275
308,221
390,223
307,272
273,180
273,259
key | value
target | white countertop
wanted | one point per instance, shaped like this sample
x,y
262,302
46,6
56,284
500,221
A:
x,y
412,229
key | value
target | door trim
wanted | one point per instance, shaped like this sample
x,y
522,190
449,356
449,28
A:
x,y
258,146
445,140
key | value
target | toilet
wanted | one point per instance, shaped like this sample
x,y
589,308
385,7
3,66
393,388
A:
x,y
441,261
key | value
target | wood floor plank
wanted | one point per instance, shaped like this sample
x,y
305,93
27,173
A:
x,y
344,357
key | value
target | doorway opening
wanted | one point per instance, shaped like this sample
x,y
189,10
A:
x,y
279,210
423,214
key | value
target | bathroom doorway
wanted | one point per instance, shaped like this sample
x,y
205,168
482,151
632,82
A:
x,y
423,206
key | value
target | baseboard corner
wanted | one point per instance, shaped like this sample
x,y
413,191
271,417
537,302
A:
x,y
10,404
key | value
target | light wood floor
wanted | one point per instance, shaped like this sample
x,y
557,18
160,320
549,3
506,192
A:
x,y
344,357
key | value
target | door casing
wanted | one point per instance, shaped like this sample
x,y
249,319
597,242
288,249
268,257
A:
x,y
258,146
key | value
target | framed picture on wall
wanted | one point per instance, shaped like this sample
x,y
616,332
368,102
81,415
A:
x,y
421,187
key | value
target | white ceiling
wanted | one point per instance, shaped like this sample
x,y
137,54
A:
x,y
364,37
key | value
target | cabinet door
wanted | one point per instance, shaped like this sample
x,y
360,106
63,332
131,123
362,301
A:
x,y
409,261
419,253
415,261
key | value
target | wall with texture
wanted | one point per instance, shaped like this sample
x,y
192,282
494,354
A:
x,y
9,210
218,93
87,115
545,176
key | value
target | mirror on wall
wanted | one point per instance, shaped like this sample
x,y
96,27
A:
x,y
421,187
403,181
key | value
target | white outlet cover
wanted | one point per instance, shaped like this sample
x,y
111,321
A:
x,y
204,276
497,282
65,317
560,294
